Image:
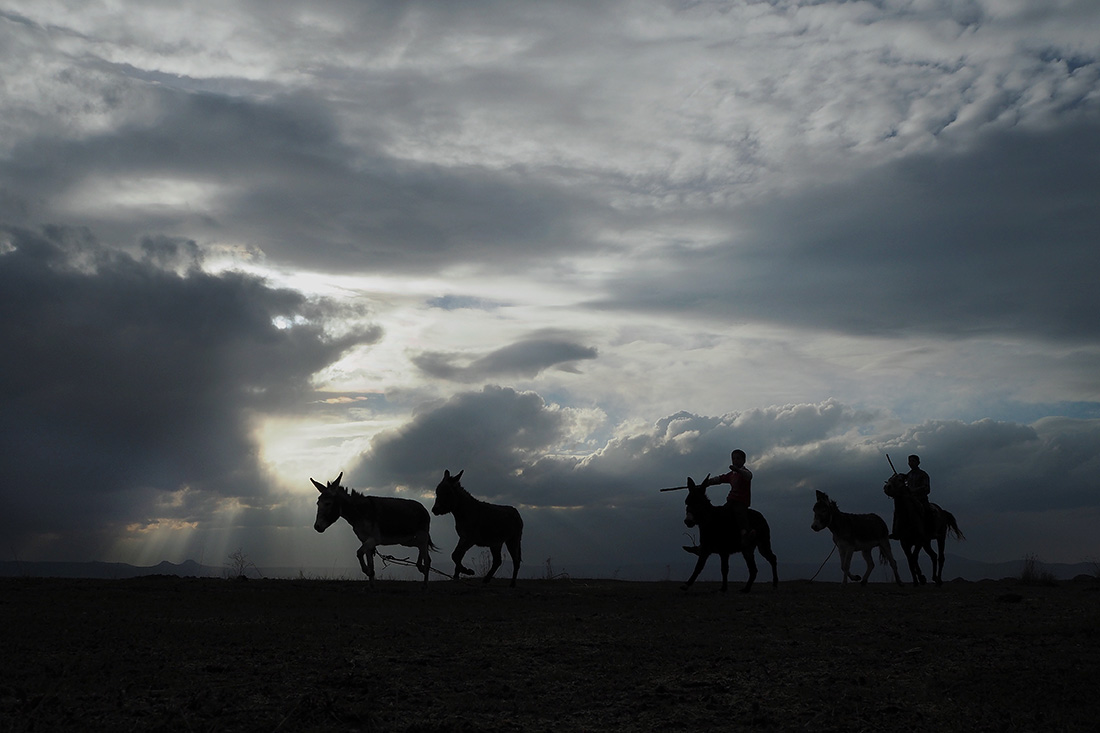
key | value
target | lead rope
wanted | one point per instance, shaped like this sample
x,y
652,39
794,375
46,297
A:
x,y
387,560
823,562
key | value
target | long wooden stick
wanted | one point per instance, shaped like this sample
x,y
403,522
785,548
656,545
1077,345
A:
x,y
674,488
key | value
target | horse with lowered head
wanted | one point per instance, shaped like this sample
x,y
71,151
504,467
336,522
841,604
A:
x,y
852,532
916,528
720,535
376,520
479,523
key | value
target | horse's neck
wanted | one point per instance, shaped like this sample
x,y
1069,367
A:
x,y
465,502
706,509
354,508
841,520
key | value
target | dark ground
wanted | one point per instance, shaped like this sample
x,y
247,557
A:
x,y
163,653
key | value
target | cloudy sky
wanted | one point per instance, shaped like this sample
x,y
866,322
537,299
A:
x,y
578,250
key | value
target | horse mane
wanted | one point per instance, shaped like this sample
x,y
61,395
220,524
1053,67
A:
x,y
352,496
463,493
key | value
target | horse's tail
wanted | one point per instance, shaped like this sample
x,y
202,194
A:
x,y
952,525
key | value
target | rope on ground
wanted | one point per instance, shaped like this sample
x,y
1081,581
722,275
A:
x,y
388,559
823,563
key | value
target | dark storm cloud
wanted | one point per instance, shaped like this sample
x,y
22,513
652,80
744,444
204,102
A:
x,y
284,180
491,434
524,358
122,380
997,240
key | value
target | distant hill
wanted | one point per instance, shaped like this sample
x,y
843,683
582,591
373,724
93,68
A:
x,y
955,567
186,569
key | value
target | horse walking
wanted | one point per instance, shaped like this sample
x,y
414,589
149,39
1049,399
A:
x,y
916,531
720,535
479,523
852,532
376,520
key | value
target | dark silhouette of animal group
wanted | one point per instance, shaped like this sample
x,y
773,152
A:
x,y
393,521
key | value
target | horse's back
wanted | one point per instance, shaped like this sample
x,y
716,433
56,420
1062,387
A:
x,y
397,516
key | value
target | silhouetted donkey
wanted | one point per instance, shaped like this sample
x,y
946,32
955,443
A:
x,y
852,532
719,534
377,520
479,523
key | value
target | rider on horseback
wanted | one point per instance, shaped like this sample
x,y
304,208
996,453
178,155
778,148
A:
x,y
918,486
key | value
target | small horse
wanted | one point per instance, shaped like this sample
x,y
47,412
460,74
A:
x,y
377,520
479,523
852,532
916,532
719,534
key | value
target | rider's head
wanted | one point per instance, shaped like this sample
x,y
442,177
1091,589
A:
x,y
737,458
914,461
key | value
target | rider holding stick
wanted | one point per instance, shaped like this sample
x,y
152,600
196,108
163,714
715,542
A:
x,y
739,479
919,486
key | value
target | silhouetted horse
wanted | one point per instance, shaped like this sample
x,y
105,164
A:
x,y
852,532
479,523
916,531
719,534
377,520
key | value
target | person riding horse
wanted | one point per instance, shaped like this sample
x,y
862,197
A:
x,y
919,487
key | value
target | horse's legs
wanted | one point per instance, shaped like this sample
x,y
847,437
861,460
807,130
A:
x,y
885,552
458,554
424,558
495,549
845,565
725,564
514,551
914,566
750,560
366,551
765,547
698,569
935,562
870,566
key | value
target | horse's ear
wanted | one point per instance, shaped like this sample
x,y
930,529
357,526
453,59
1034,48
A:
x,y
822,497
690,484
337,481
318,485
459,475
446,473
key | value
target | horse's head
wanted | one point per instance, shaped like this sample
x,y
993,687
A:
x,y
696,500
447,493
894,485
328,503
824,510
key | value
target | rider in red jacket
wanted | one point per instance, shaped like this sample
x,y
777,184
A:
x,y
739,498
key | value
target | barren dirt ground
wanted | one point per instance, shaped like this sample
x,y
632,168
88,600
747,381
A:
x,y
164,653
